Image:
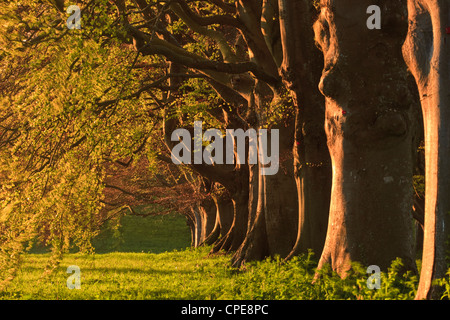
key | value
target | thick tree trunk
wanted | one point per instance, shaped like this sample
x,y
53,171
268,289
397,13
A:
x,y
224,218
301,69
427,53
236,234
253,180
238,189
312,171
370,127
280,201
215,233
271,212
274,226
255,245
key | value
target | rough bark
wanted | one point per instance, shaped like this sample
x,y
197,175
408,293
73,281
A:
x,y
369,126
427,53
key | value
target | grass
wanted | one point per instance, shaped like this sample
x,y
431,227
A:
x,y
160,265
154,234
174,275
191,274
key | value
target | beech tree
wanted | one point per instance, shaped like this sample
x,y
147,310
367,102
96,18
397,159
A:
x,y
265,217
370,125
332,76
239,61
301,70
427,54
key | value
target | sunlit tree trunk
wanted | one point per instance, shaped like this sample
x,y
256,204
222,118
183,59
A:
x,y
208,213
273,225
370,126
427,53
301,69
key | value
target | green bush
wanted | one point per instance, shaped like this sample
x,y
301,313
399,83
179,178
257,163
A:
x,y
298,279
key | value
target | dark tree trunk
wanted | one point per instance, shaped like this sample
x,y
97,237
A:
x,y
237,186
280,202
274,226
370,127
224,217
255,245
274,211
427,53
236,234
190,221
301,69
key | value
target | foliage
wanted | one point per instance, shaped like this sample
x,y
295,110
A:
x,y
72,102
419,185
53,164
298,279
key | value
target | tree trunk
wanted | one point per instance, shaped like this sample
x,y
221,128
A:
x,y
274,227
190,221
224,218
301,69
238,189
255,245
208,213
427,53
196,228
280,201
236,234
370,127
271,230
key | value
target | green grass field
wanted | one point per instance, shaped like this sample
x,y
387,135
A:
x,y
152,234
150,258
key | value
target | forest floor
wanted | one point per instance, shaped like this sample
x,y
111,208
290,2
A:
x,y
150,258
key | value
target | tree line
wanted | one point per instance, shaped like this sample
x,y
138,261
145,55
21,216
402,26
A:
x,y
352,105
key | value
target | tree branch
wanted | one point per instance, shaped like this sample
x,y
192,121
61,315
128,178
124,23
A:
x,y
224,6
182,10
191,60
145,88
212,19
